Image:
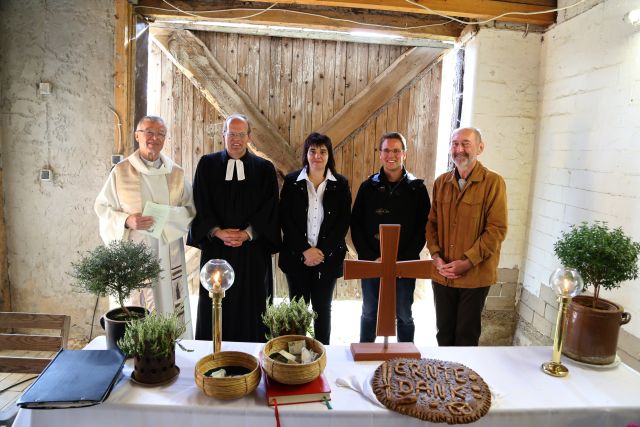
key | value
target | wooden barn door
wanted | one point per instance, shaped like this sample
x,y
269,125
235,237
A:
x,y
353,92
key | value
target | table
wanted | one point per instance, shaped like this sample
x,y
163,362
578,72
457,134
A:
x,y
527,397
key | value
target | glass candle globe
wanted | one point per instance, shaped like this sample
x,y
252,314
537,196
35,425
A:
x,y
217,275
566,282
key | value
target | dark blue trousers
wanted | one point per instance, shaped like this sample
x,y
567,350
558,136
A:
x,y
404,301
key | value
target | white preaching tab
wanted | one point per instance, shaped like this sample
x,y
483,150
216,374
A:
x,y
239,166
160,213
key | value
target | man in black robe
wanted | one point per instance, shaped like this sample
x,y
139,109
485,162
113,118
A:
x,y
236,199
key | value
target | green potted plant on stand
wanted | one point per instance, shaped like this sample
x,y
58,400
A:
x,y
117,270
605,258
151,341
288,318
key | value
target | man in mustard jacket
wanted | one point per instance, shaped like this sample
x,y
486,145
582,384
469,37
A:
x,y
466,227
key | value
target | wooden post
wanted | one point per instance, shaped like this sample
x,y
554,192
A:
x,y
141,70
388,268
124,78
5,291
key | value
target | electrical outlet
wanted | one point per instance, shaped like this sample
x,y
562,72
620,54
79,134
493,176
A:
x,y
116,158
46,175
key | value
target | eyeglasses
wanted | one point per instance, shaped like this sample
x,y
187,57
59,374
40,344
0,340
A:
x,y
394,151
151,134
236,134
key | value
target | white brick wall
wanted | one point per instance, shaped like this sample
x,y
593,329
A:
x,y
501,98
586,165
575,97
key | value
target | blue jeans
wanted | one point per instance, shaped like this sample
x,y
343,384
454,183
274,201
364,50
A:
x,y
404,301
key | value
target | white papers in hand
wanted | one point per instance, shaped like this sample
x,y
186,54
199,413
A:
x,y
160,213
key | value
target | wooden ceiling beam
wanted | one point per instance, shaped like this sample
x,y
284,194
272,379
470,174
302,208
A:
x,y
196,62
472,9
305,19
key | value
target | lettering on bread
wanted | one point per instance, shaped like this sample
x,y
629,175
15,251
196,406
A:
x,y
432,390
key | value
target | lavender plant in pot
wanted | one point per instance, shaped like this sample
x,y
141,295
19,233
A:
x,y
151,341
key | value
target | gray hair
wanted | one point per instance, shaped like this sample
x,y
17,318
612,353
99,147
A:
x,y
157,119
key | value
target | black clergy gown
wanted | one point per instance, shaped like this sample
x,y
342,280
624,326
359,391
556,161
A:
x,y
236,204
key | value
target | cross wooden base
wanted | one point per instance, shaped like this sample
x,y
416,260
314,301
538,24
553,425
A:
x,y
376,351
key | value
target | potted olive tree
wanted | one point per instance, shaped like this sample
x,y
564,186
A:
x,y
288,318
116,270
151,341
605,258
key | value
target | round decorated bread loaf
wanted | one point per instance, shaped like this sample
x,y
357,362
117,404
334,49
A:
x,y
432,390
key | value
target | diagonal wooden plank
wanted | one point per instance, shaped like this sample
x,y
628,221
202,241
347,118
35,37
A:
x,y
197,63
378,92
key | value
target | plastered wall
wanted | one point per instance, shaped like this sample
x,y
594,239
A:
x,y
70,132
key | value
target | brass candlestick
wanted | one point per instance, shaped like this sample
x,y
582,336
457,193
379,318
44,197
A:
x,y
567,283
216,314
216,276
555,367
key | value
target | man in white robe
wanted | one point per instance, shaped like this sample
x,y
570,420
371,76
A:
x,y
147,175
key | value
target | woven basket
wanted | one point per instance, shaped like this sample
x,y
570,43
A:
x,y
286,373
228,387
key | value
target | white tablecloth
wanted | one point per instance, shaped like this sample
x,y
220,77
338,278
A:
x,y
526,396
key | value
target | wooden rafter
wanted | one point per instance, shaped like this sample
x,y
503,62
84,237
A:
x,y
196,62
378,92
473,9
195,14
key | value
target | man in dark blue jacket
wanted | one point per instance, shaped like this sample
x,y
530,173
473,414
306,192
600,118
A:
x,y
391,196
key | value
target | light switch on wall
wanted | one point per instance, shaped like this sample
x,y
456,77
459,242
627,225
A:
x,y
44,88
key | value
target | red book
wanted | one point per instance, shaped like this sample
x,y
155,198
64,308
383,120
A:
x,y
285,394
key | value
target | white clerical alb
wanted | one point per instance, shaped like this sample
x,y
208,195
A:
x,y
239,166
130,185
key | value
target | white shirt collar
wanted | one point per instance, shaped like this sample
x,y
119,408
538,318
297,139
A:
x,y
152,163
136,161
303,175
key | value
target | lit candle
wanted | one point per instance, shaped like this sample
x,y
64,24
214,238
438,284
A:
x,y
217,288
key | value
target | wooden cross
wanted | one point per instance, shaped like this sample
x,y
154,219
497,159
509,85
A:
x,y
388,268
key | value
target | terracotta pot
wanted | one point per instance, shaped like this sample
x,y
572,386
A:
x,y
149,369
113,324
591,334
